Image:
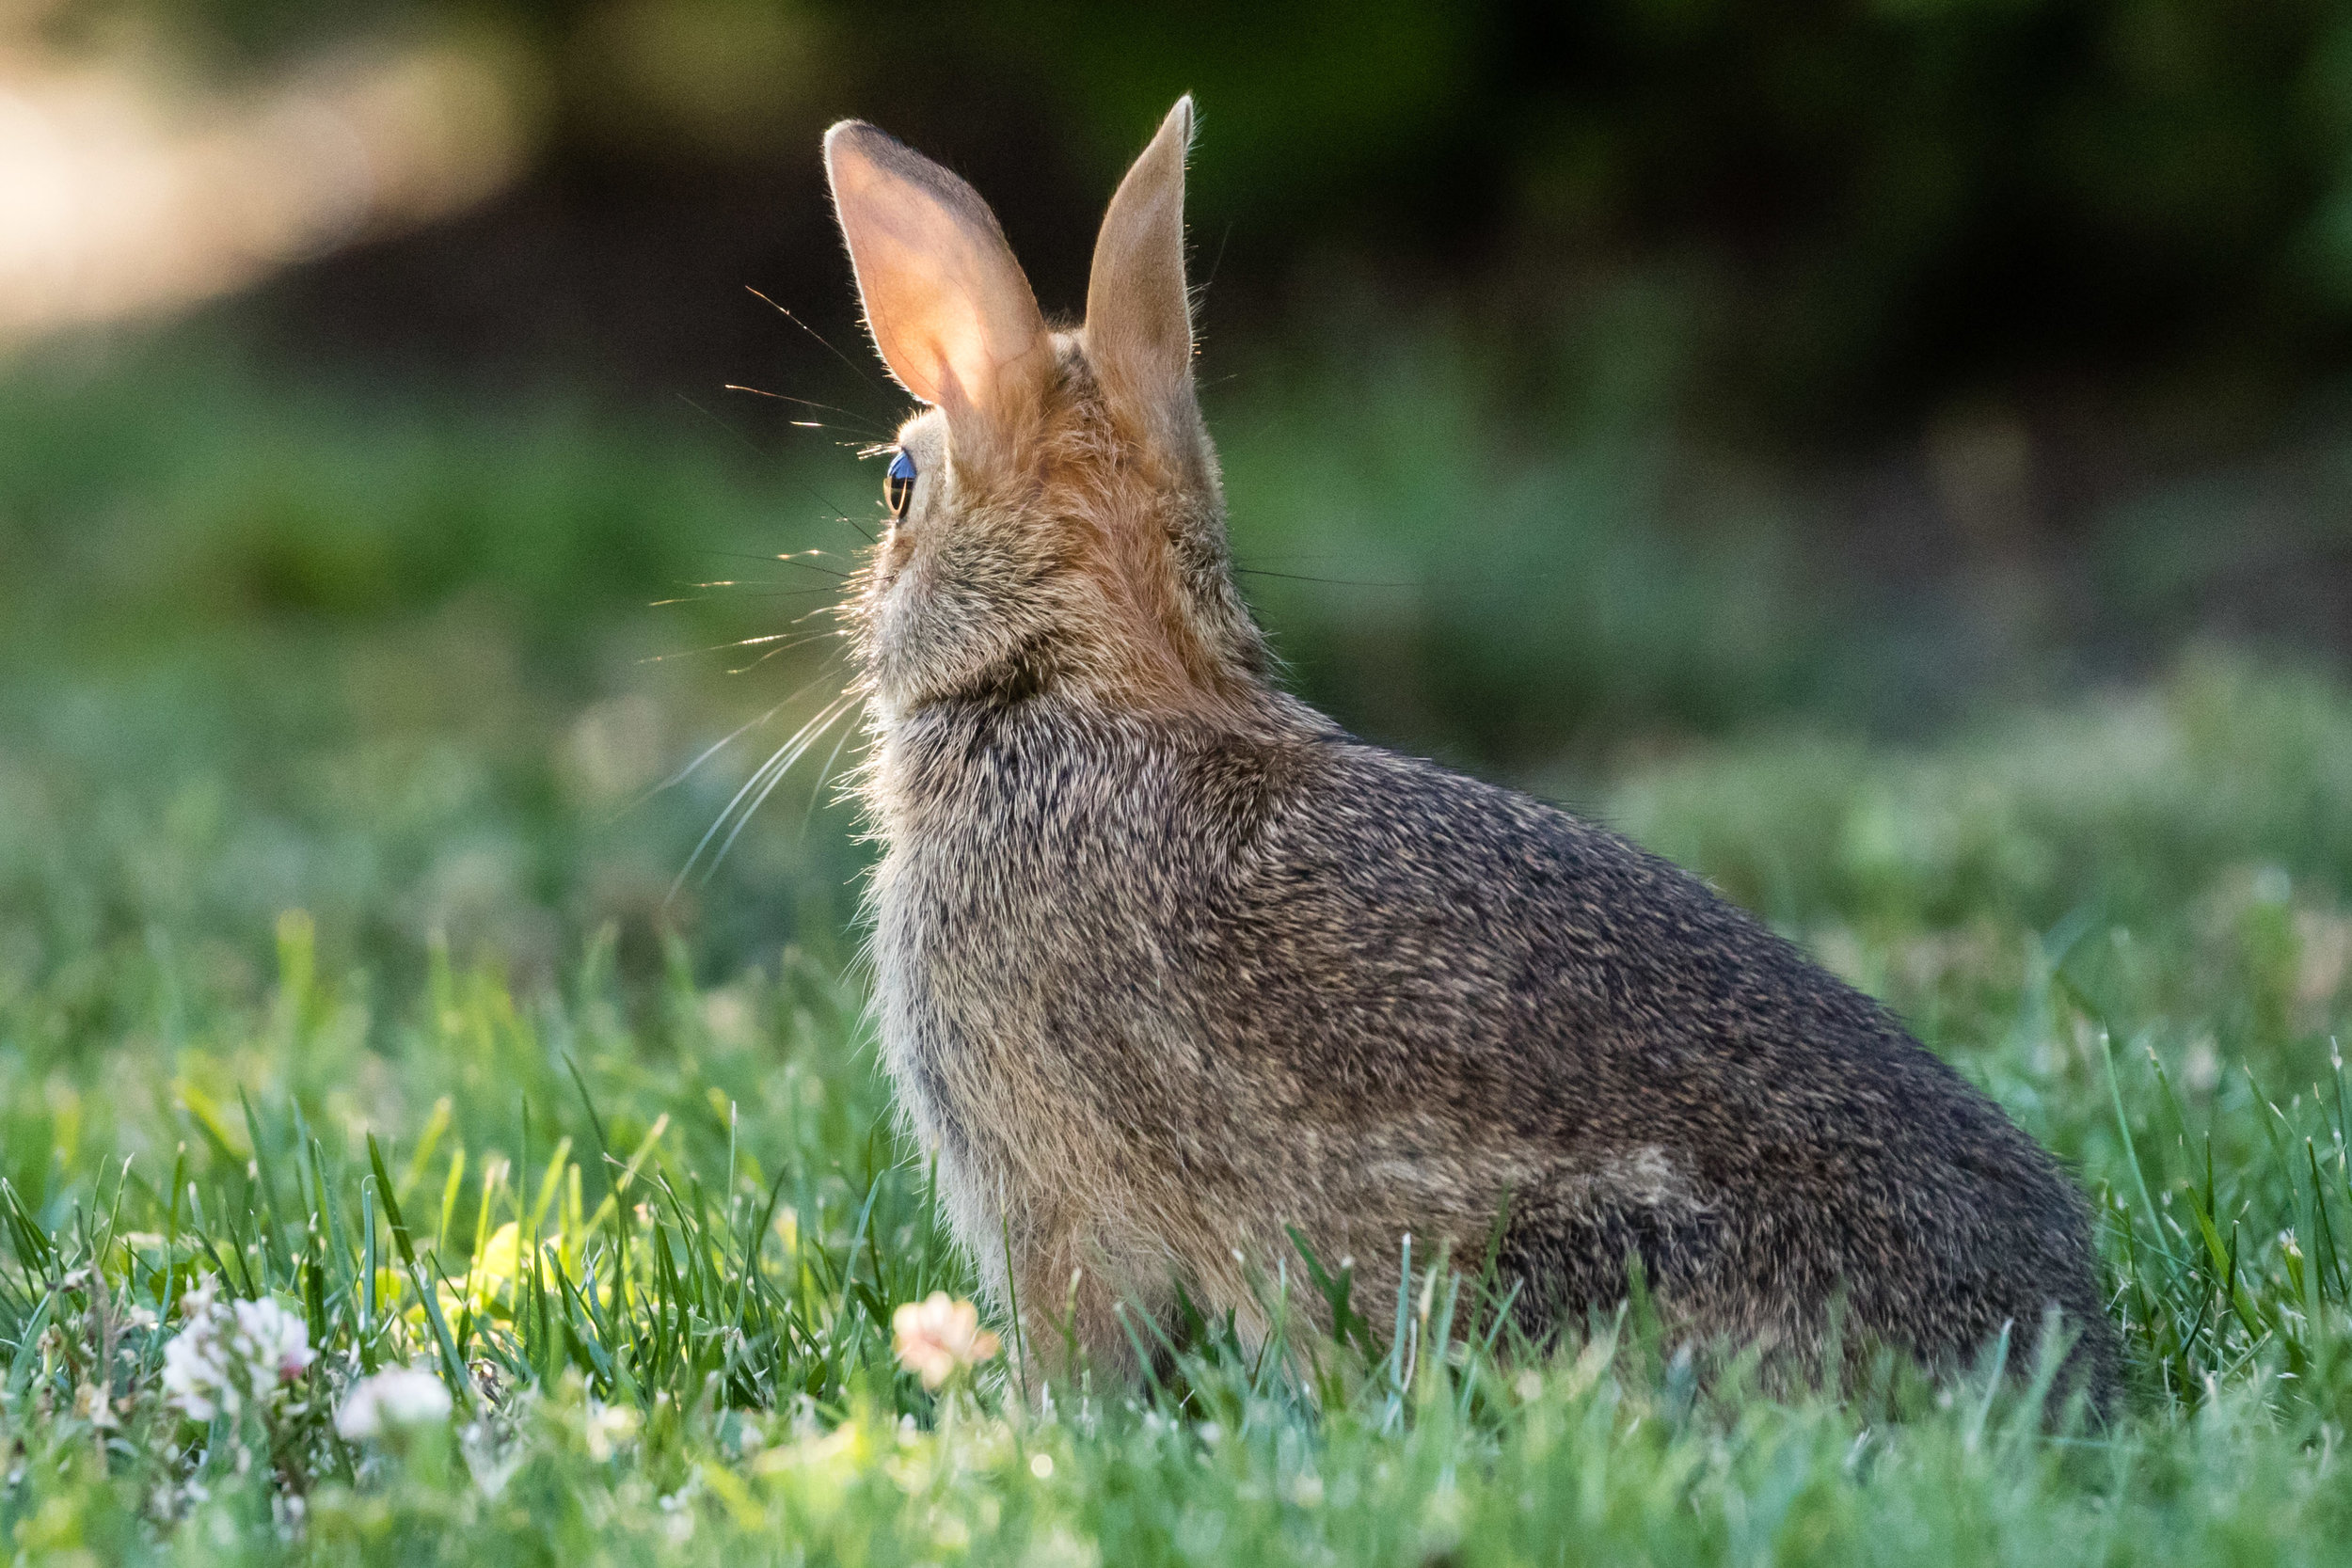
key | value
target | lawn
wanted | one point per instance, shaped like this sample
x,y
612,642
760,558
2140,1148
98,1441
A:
x,y
354,959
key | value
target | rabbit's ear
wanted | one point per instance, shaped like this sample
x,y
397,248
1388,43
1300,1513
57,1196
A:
x,y
1138,329
948,306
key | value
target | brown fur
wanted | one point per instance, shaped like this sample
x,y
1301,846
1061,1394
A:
x,y
1168,964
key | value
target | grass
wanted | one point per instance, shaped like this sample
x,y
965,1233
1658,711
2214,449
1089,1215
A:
x,y
338,967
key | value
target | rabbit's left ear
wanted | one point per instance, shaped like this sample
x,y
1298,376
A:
x,y
1138,329
950,308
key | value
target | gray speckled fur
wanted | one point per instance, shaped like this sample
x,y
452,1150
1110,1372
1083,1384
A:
x,y
1211,986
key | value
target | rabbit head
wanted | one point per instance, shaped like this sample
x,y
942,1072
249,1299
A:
x,y
1064,528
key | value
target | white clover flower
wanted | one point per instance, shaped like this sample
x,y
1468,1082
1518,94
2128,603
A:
x,y
225,1355
273,1342
936,1338
393,1398
196,1367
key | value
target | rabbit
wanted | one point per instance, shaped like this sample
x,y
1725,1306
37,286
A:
x,y
1170,970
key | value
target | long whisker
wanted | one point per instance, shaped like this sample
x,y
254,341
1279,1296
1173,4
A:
x,y
721,743
864,374
745,819
763,779
800,641
815,795
823,502
1336,582
711,750
867,426
791,558
800,638
723,424
770,774
747,593
759,774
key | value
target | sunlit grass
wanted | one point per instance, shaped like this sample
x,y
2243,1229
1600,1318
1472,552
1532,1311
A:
x,y
652,1238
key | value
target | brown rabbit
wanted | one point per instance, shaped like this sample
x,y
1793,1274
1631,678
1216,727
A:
x,y
1168,964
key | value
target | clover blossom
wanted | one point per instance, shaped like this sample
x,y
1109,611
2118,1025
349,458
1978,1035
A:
x,y
936,1338
394,1398
232,1352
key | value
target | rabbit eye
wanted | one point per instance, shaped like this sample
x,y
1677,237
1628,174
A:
x,y
899,487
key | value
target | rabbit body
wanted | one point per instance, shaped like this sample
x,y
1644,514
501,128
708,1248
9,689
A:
x,y
1169,967
1158,993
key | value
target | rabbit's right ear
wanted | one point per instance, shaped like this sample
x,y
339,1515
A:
x,y
1138,326
950,310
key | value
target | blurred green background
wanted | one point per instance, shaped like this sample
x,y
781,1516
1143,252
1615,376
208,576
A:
x,y
1598,385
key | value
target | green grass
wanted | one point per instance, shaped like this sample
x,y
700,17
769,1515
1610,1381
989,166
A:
x,y
336,939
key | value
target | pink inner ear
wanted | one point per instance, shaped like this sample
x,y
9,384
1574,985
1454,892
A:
x,y
950,311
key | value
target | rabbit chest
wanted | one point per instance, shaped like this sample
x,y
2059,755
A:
x,y
1036,1008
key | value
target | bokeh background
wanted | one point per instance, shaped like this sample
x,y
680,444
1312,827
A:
x,y
380,525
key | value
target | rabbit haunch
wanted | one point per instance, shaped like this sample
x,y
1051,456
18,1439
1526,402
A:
x,y
1168,965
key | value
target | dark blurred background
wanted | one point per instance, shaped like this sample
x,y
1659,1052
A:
x,y
1595,382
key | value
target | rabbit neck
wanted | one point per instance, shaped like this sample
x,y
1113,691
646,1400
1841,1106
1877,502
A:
x,y
942,767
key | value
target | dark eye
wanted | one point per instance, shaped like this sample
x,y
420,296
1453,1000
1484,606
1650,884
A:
x,y
898,488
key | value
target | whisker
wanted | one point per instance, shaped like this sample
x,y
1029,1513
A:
x,y
800,641
1339,582
870,428
791,558
856,527
743,820
739,642
721,425
769,593
763,779
711,750
721,743
1218,261
862,372
769,775
825,505
810,816
795,557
